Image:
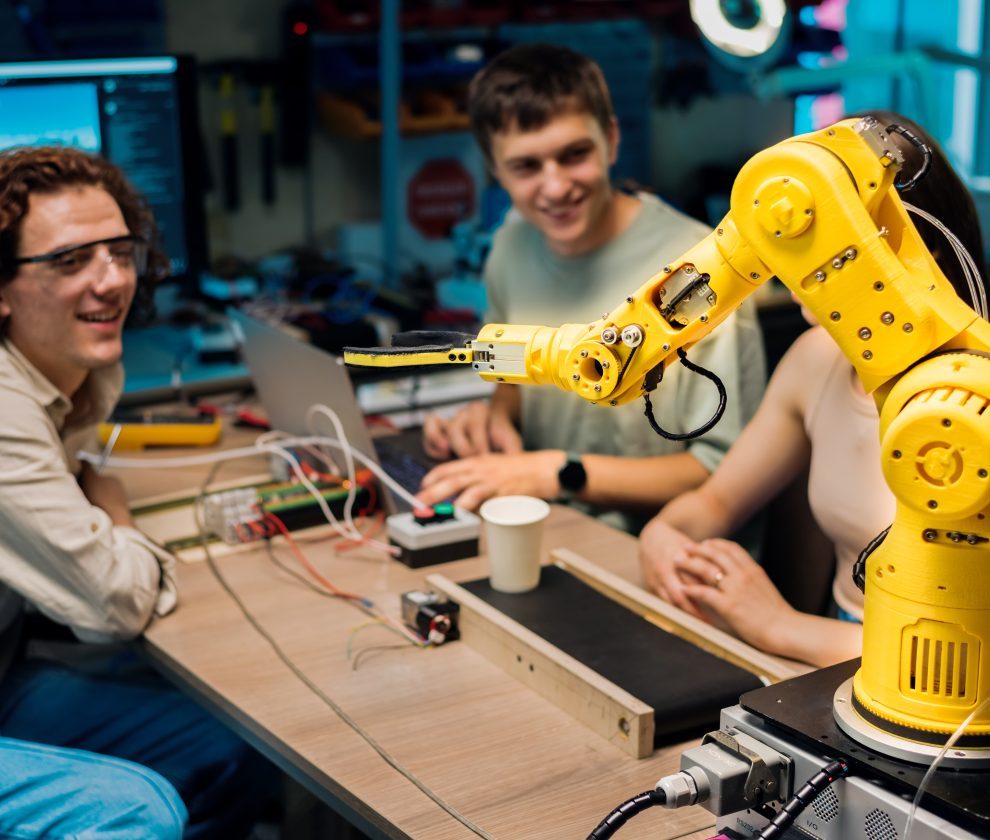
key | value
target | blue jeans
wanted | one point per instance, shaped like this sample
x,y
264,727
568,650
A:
x,y
138,717
53,792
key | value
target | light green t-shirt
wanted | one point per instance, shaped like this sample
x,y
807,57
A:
x,y
527,283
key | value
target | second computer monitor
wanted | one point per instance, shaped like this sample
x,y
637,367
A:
x,y
140,113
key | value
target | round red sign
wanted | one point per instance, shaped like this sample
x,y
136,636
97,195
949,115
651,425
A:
x,y
438,196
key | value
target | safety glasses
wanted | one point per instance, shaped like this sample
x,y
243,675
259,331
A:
x,y
129,252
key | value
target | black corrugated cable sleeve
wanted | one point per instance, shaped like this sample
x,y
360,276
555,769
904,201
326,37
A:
x,y
626,811
800,800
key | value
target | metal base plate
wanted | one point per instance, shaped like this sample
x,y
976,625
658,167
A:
x,y
803,708
883,742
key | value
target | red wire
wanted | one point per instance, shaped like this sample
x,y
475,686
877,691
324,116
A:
x,y
372,499
375,525
241,415
381,420
340,593
364,479
260,530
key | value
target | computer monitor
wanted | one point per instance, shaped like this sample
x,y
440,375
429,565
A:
x,y
140,113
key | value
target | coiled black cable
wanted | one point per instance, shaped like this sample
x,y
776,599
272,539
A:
x,y
859,567
625,812
719,411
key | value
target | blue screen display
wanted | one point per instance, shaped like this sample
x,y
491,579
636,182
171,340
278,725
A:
x,y
131,111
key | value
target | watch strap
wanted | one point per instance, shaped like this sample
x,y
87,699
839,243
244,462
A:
x,y
572,476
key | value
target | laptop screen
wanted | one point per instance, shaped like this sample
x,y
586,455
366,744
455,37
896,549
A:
x,y
291,376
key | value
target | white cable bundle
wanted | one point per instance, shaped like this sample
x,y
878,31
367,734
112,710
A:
x,y
266,444
977,293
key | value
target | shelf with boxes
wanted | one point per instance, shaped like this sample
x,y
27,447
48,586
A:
x,y
438,174
436,67
365,15
422,112
350,16
437,64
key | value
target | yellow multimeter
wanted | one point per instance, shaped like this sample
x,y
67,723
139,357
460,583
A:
x,y
161,429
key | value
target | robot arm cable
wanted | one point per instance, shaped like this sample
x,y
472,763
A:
x,y
626,811
719,411
926,160
977,292
800,800
859,567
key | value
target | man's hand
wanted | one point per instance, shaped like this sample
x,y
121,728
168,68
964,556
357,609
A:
x,y
473,480
474,430
106,493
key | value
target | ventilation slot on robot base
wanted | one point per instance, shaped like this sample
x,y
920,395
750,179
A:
x,y
940,661
826,805
879,826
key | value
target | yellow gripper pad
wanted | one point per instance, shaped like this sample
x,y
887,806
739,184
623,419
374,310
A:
x,y
414,348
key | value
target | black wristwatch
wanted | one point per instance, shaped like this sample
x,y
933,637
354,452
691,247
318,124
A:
x,y
572,477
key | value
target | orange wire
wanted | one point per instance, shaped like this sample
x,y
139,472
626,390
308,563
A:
x,y
376,522
307,565
376,525
365,602
366,536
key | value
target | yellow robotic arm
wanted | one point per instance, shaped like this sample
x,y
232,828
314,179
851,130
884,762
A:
x,y
820,212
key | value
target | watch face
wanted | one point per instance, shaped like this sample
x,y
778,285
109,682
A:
x,y
572,476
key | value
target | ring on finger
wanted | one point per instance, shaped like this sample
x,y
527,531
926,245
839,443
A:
x,y
717,580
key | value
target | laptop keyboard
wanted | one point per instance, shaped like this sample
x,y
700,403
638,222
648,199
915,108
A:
x,y
401,466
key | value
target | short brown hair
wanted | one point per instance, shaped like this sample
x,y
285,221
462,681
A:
x,y
529,84
50,169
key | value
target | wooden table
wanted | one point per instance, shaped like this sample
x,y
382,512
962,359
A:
x,y
498,753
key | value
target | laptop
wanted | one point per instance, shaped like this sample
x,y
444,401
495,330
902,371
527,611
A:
x,y
290,376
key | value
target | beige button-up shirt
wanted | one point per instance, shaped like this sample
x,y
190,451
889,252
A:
x,y
58,551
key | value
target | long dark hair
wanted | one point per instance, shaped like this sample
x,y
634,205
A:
x,y
943,194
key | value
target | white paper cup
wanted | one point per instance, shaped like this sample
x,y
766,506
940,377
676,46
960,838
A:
x,y
514,536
